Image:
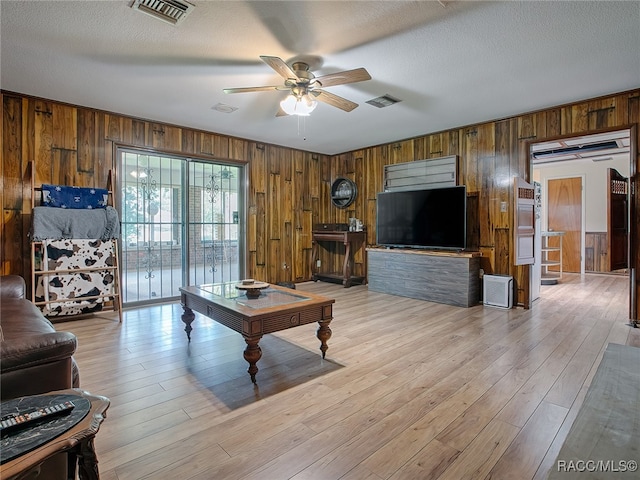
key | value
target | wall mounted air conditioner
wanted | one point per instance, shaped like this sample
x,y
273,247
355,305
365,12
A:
x,y
497,291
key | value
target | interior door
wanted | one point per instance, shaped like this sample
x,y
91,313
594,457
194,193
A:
x,y
564,213
617,220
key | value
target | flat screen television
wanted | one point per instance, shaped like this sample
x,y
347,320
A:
x,y
435,218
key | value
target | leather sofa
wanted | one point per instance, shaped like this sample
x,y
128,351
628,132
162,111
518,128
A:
x,y
34,357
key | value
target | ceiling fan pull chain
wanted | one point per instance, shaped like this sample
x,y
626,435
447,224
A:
x,y
302,119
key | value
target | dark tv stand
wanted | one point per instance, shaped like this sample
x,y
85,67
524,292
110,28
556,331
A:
x,y
442,276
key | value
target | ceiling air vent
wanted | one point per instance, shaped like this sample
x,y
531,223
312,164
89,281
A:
x,y
385,100
171,11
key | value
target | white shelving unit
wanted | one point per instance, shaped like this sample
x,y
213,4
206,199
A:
x,y
551,277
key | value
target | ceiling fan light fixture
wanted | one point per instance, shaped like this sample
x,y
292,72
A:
x,y
298,105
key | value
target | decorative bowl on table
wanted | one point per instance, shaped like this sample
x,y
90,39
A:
x,y
251,287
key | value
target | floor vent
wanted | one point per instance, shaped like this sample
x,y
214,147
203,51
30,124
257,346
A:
x,y
497,291
170,11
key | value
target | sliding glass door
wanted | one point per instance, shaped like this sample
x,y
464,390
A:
x,y
181,224
214,221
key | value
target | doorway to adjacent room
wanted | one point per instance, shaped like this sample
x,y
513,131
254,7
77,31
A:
x,y
574,176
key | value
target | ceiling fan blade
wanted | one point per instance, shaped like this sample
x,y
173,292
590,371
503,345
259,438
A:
x,y
280,66
341,78
281,113
255,89
175,61
334,100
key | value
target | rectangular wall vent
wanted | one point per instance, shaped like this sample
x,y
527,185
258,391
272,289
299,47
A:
x,y
383,101
170,11
421,174
497,291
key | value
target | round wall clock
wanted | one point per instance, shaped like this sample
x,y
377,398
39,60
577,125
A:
x,y
343,192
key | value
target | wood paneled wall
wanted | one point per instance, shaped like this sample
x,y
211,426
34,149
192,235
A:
x,y
73,145
490,155
596,252
290,190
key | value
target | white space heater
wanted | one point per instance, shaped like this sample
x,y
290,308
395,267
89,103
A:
x,y
497,291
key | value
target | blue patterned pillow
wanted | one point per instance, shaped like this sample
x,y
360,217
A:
x,y
64,196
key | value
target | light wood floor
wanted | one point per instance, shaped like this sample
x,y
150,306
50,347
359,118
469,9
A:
x,y
409,389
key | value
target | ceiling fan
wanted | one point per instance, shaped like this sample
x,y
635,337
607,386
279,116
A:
x,y
305,88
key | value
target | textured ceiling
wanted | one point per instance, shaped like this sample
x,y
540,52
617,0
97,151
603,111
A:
x,y
451,63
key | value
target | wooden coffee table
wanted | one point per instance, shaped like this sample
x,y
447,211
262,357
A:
x,y
76,439
276,308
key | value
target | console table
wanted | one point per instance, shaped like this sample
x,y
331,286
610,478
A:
x,y
437,276
349,239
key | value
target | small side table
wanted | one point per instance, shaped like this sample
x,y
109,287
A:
x,y
77,441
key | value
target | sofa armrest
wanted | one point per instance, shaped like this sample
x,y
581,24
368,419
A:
x,y
34,350
12,286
